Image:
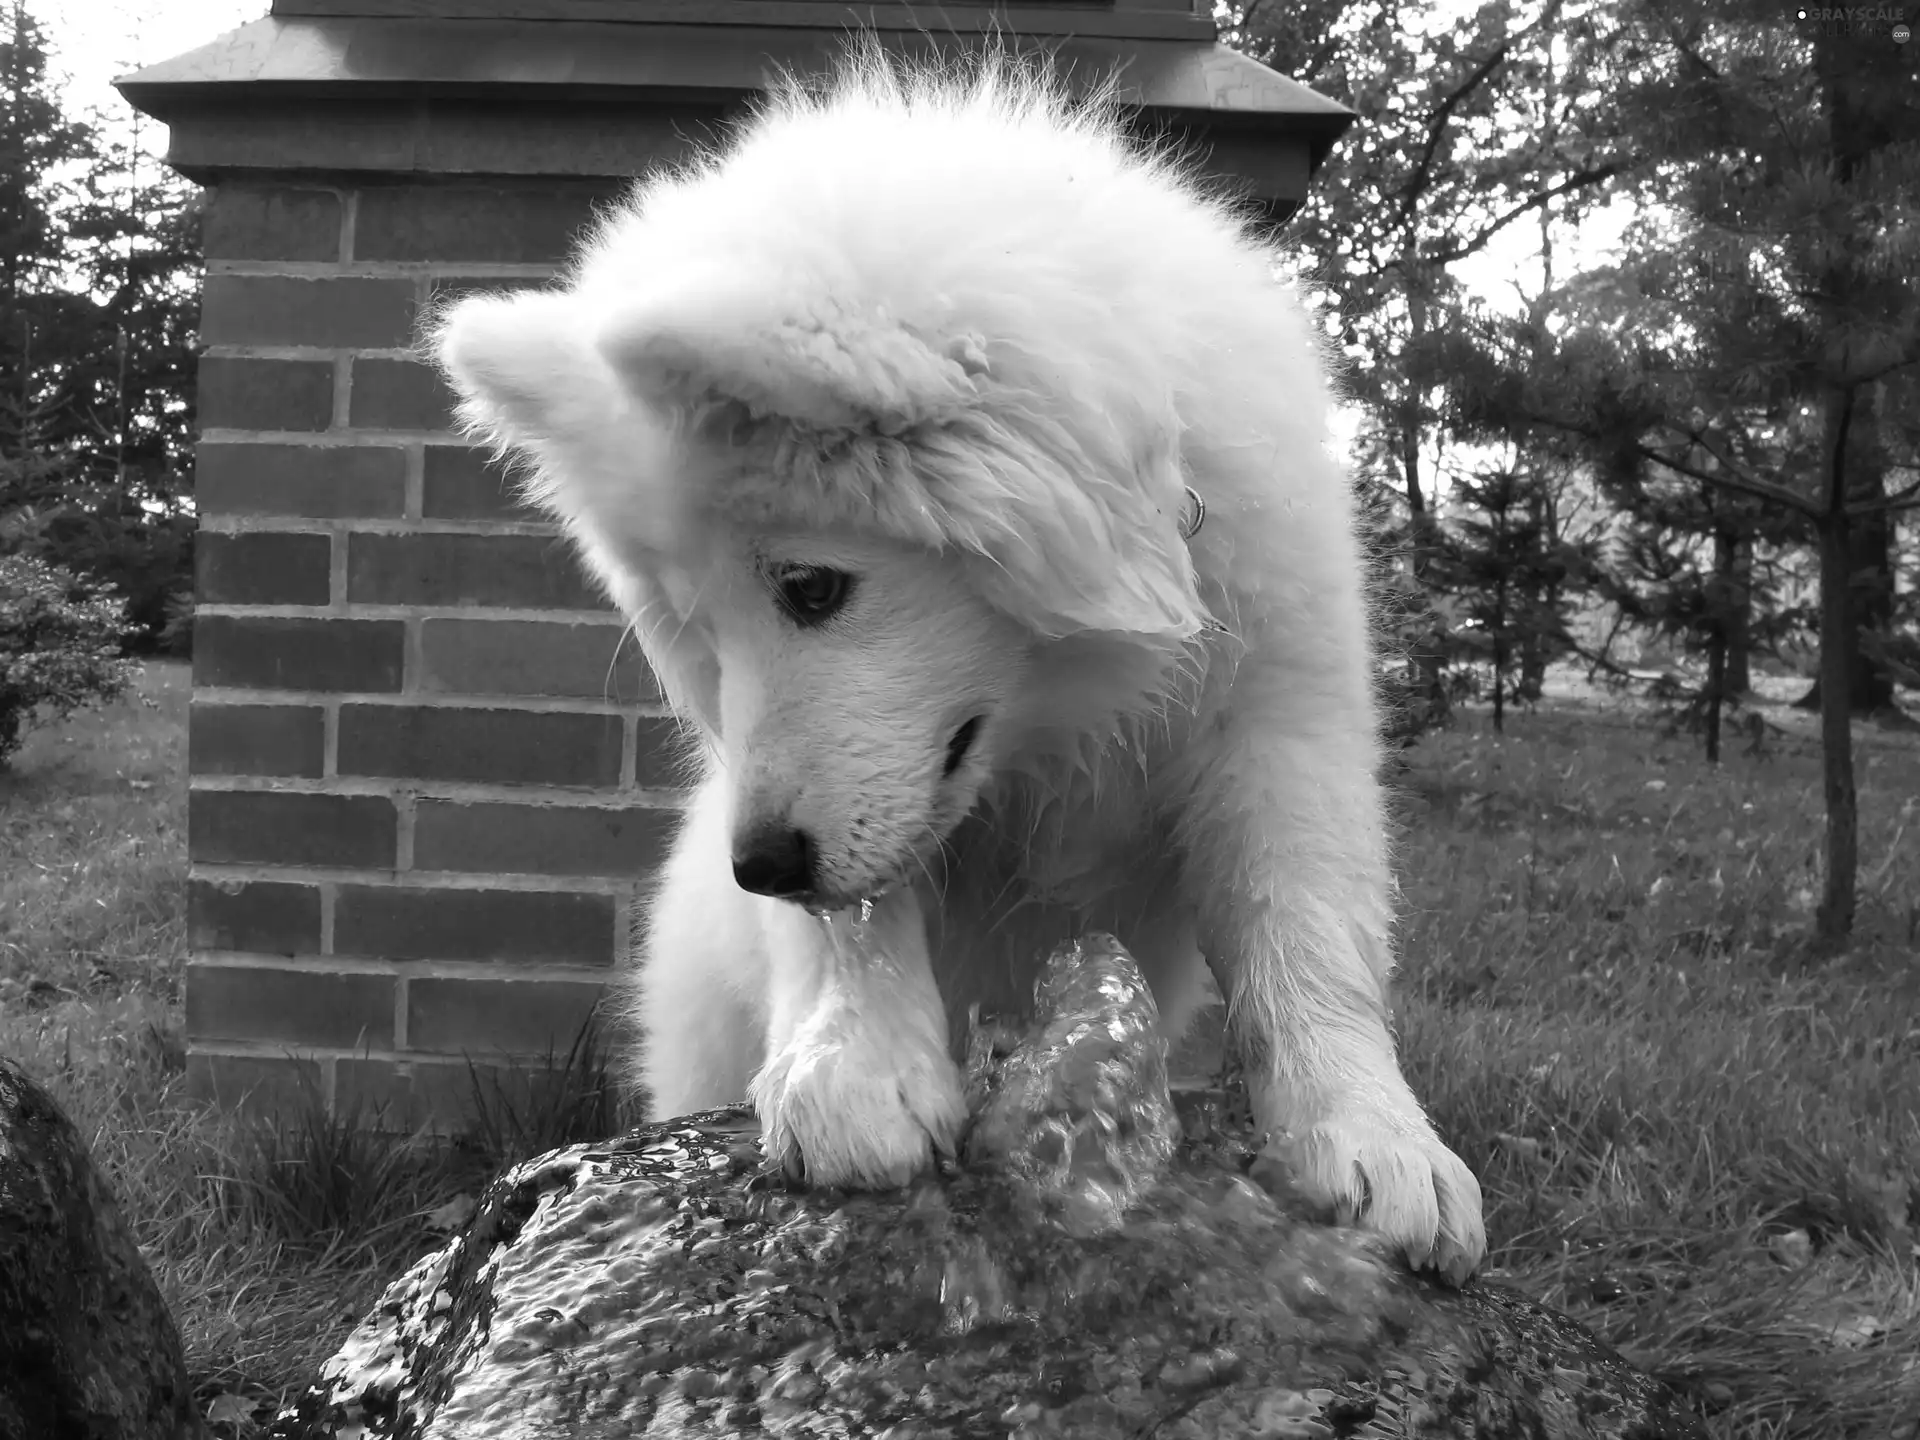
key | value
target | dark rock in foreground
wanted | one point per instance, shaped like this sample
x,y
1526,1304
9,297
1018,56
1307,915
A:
x,y
87,1348
1103,1267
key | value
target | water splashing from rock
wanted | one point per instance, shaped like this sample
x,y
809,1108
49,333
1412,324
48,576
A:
x,y
1077,1108
1101,1264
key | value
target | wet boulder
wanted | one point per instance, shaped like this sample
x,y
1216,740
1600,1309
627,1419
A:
x,y
88,1350
1108,1260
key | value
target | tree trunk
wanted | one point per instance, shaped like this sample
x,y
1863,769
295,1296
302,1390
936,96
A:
x,y
1869,561
1410,426
1531,683
1869,568
1726,614
1716,690
1865,93
1542,521
1541,599
1500,656
1733,561
1550,551
1429,664
1834,922
1870,547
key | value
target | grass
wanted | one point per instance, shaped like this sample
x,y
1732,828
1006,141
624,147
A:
x,y
1693,1134
269,1241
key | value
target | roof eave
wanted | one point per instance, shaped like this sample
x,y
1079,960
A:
x,y
533,60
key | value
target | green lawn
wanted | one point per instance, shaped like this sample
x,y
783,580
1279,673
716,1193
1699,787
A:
x,y
1693,1136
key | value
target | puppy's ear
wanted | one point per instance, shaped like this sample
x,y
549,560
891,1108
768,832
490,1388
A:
x,y
820,364
523,365
1113,559
531,381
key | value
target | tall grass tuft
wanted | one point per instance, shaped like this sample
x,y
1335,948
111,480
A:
x,y
569,1098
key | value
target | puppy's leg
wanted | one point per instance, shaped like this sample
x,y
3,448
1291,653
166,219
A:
x,y
1287,864
700,994
859,1089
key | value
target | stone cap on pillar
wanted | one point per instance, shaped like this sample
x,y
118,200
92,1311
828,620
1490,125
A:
x,y
609,88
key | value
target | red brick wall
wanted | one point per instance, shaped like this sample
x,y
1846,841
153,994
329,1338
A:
x,y
427,778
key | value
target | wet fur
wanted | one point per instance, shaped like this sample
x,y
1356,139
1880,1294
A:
x,y
962,340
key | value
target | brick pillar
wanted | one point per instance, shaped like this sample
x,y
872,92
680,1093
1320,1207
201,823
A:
x,y
427,776
427,780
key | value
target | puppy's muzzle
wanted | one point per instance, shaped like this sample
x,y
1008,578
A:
x,y
776,860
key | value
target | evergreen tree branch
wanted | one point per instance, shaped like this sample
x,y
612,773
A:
x,y
1904,499
1600,660
1578,180
1731,478
1900,361
1422,175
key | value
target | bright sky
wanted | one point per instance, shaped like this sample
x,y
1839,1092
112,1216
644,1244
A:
x,y
95,40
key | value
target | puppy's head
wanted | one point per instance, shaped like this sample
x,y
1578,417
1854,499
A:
x,y
851,455
866,694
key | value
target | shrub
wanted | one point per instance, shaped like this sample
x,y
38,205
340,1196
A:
x,y
59,647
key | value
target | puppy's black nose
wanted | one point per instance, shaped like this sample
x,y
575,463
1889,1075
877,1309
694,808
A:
x,y
775,861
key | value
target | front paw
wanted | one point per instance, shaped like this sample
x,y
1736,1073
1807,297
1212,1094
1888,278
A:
x,y
1390,1174
845,1113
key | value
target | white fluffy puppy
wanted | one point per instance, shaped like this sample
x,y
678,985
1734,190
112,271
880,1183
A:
x,y
880,425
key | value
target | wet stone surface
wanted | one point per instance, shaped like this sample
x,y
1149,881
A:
x,y
87,1348
1101,1265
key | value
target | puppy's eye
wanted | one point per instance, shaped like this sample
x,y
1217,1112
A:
x,y
812,593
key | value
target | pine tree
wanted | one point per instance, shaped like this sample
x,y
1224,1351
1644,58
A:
x,y
1468,128
133,234
37,321
1765,315
1508,571
1683,567
98,302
